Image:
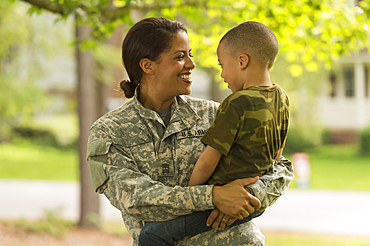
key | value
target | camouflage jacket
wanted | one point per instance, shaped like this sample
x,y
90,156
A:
x,y
249,130
145,176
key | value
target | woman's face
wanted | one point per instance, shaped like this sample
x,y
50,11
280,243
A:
x,y
173,70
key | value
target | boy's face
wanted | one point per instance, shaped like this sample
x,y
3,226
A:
x,y
230,68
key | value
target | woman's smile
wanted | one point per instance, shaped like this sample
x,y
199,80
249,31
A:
x,y
186,77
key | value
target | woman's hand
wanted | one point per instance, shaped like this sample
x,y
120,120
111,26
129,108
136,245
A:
x,y
218,218
233,200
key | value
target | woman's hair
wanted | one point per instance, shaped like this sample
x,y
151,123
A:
x,y
148,38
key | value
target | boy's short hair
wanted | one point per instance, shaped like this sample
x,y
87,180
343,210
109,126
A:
x,y
254,39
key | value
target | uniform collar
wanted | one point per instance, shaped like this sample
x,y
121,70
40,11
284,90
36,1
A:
x,y
144,112
185,111
181,111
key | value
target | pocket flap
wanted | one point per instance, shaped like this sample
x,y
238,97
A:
x,y
98,147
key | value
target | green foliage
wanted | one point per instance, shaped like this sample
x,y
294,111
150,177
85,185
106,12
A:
x,y
302,138
309,32
18,101
19,97
365,142
28,51
52,223
107,58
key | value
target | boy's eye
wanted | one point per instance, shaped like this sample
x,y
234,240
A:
x,y
191,55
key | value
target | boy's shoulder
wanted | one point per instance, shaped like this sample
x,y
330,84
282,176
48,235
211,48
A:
x,y
255,97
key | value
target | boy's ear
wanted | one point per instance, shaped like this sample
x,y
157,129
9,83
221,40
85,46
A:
x,y
147,66
243,60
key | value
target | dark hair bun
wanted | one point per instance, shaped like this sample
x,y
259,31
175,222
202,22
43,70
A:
x,y
127,87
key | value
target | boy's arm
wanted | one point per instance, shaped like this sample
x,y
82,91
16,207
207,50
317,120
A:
x,y
279,154
205,166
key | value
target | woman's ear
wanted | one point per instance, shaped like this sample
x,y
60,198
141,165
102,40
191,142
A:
x,y
243,60
147,66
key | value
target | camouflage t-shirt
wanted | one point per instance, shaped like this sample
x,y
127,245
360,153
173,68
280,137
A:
x,y
249,130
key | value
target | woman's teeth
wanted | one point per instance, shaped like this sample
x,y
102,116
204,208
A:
x,y
185,76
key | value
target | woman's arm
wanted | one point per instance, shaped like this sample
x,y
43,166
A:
x,y
136,194
115,174
205,166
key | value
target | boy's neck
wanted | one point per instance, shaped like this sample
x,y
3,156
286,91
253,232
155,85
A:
x,y
257,77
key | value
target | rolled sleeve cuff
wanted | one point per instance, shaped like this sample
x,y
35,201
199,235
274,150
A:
x,y
202,197
258,190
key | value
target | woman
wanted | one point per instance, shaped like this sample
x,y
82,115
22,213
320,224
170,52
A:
x,y
141,155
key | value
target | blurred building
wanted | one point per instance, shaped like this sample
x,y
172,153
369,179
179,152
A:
x,y
344,105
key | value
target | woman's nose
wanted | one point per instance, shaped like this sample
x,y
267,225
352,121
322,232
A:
x,y
190,63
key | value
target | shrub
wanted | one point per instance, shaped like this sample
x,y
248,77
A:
x,y
302,138
326,136
365,141
38,136
52,223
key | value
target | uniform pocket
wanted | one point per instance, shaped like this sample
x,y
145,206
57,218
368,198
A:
x,y
97,157
142,150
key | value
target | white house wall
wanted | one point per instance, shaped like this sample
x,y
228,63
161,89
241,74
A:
x,y
341,112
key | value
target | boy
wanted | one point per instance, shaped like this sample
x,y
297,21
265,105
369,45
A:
x,y
248,133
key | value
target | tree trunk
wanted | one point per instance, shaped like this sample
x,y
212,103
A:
x,y
87,114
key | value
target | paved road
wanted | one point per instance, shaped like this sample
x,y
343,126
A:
x,y
308,211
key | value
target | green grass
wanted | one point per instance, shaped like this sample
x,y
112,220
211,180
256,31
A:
x,y
339,167
294,239
24,160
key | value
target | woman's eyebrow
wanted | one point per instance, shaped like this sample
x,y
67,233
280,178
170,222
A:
x,y
182,51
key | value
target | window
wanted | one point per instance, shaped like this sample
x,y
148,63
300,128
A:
x,y
349,81
333,84
366,81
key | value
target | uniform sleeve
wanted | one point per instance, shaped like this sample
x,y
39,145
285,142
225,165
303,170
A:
x,y
273,183
222,133
116,176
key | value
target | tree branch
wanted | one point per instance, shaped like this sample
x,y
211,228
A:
x,y
47,5
112,13
115,13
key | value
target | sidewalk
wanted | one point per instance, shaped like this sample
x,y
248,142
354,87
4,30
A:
x,y
308,211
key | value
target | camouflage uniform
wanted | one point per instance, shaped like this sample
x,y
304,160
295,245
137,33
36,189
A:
x,y
249,130
144,176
